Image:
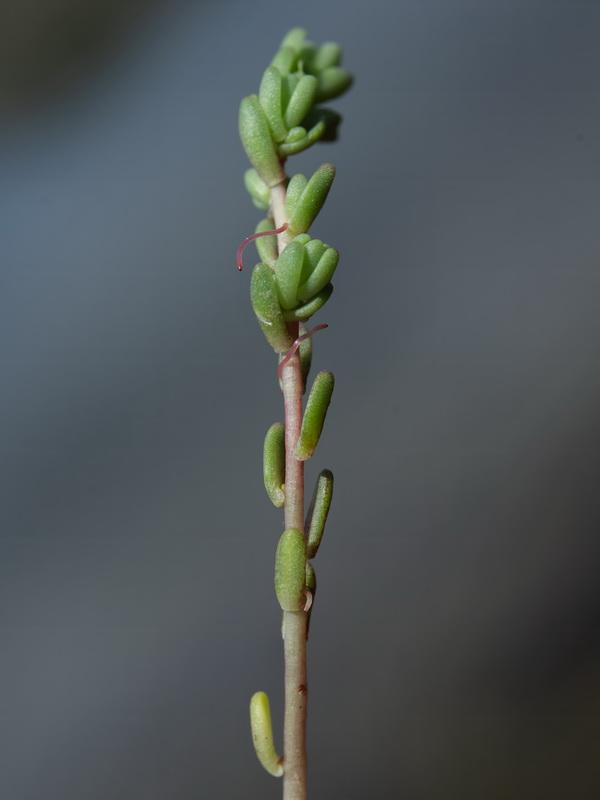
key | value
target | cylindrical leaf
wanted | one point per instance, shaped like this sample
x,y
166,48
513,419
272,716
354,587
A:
x,y
269,96
294,39
257,188
329,54
274,464
263,293
290,570
320,276
314,250
266,245
258,144
293,192
262,734
314,415
284,60
306,310
311,200
288,270
333,82
306,56
301,101
318,511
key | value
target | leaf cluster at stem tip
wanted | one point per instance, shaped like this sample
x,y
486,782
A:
x,y
285,118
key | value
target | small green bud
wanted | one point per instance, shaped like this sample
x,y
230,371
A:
x,y
329,54
257,188
320,276
258,144
288,269
263,294
333,82
311,200
262,734
318,511
274,464
314,415
306,310
290,570
295,134
318,131
266,245
293,192
301,101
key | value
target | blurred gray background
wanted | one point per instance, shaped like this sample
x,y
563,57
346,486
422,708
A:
x,y
454,650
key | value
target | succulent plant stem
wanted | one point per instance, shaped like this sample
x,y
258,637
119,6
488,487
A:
x,y
294,623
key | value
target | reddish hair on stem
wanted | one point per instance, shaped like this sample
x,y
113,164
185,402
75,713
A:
x,y
256,236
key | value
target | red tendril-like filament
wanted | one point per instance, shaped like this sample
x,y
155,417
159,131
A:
x,y
295,346
255,236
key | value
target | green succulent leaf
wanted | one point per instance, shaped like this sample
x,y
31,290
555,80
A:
x,y
266,245
290,570
262,734
320,276
285,60
294,39
288,270
288,86
263,294
318,511
258,189
317,132
258,144
274,464
293,192
305,311
314,415
306,57
333,82
295,134
269,96
301,101
311,200
329,54
314,250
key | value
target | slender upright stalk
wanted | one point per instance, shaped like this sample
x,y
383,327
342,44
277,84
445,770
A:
x,y
291,283
294,622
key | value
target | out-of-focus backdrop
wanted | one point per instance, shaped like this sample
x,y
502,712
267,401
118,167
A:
x,y
455,649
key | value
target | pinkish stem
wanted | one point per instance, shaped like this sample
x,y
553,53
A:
x,y
294,622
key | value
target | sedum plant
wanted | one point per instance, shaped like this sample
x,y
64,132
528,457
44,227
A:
x,y
291,282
